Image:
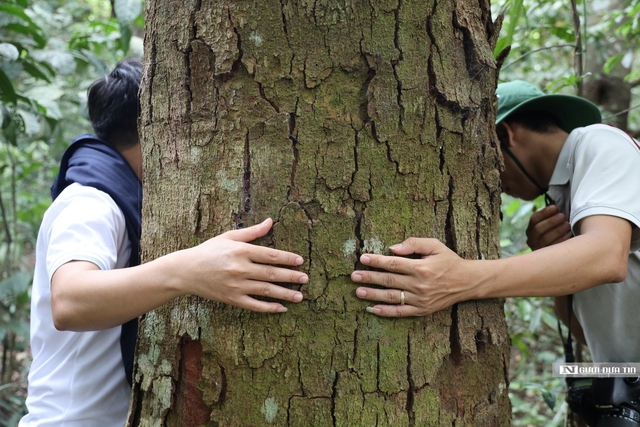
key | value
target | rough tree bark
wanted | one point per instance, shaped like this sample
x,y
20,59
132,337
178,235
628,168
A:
x,y
354,125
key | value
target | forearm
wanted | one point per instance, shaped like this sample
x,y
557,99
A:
x,y
86,298
572,266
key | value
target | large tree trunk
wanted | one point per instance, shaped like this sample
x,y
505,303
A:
x,y
354,125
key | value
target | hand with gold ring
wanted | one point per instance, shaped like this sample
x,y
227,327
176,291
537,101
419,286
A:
x,y
414,287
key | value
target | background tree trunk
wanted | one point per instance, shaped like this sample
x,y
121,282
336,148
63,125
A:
x,y
354,125
608,90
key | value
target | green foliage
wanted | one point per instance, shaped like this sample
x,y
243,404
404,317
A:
x,y
536,397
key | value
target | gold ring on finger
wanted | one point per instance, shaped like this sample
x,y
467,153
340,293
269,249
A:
x,y
401,297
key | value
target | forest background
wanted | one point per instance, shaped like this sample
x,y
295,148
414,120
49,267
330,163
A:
x,y
51,51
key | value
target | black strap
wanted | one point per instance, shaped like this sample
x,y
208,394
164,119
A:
x,y
524,171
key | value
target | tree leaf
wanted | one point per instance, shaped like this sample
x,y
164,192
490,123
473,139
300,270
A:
x,y
515,11
549,398
6,88
125,38
32,31
16,284
31,68
127,10
19,12
612,63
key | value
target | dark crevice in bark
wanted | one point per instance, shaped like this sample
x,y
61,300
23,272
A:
x,y
481,342
473,62
304,394
443,162
284,21
245,203
439,97
198,224
355,163
378,366
411,391
271,102
364,94
236,64
355,342
310,221
294,148
454,337
478,236
359,211
147,78
450,238
334,397
432,48
395,63
223,386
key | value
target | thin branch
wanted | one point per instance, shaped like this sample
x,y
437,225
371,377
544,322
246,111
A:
x,y
534,51
634,83
621,112
578,46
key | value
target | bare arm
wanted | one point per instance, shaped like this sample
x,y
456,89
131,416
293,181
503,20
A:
x,y
441,278
225,269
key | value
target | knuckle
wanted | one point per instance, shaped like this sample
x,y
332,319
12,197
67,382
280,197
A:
x,y
388,281
266,290
412,241
393,264
272,274
391,295
272,255
234,269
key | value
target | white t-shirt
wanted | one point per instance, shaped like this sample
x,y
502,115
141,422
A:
x,y
77,379
598,173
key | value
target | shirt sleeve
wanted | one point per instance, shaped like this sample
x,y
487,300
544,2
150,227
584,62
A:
x,y
89,227
606,177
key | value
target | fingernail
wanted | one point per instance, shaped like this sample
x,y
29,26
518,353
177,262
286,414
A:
x,y
282,309
303,279
361,293
263,223
356,277
396,246
365,259
299,260
373,310
297,297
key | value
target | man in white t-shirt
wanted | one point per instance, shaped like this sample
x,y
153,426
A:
x,y
87,285
591,173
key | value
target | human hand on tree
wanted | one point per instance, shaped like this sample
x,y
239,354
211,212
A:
x,y
228,269
225,268
547,227
414,287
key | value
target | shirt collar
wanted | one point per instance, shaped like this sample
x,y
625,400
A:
x,y
562,170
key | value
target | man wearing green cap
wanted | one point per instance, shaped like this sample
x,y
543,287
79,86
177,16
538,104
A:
x,y
590,174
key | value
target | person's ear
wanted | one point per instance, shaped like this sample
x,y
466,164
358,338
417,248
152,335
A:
x,y
505,132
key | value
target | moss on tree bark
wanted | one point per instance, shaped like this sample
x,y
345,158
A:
x,y
354,125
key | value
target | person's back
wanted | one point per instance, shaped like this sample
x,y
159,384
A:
x,y
77,378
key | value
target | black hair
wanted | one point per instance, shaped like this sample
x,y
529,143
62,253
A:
x,y
114,106
536,121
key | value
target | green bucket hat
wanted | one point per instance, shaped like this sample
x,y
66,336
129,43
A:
x,y
572,111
